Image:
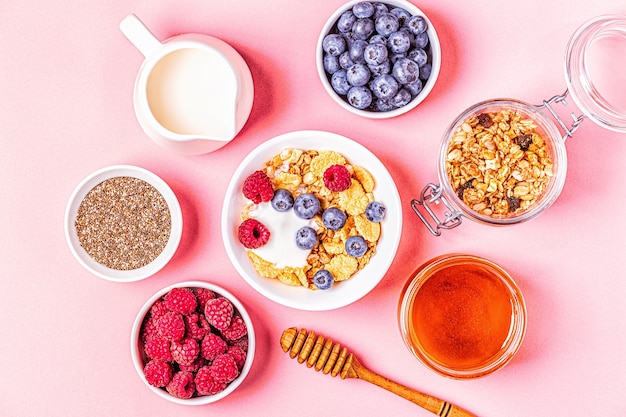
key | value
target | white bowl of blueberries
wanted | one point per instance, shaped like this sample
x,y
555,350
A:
x,y
378,59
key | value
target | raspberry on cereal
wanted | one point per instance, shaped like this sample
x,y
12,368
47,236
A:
x,y
206,383
337,178
182,385
258,187
180,300
253,234
219,312
158,373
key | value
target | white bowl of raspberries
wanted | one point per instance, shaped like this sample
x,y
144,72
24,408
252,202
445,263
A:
x,y
192,343
378,59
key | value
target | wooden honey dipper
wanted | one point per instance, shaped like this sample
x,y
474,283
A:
x,y
332,358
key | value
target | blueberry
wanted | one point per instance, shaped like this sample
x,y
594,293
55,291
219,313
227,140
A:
x,y
306,237
375,211
331,64
415,87
386,24
359,97
356,50
406,71
323,279
334,44
358,75
384,68
421,40
282,200
402,15
346,21
306,206
417,25
340,83
363,9
356,246
380,9
345,61
425,71
384,86
394,57
384,104
419,56
378,39
333,218
375,53
399,42
402,98
363,28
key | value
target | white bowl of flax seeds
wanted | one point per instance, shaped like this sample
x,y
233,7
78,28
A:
x,y
123,223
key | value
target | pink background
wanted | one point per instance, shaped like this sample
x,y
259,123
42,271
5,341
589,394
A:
x,y
66,79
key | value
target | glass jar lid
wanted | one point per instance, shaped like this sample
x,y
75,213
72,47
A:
x,y
594,63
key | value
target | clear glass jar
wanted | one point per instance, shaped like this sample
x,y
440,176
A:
x,y
599,38
462,316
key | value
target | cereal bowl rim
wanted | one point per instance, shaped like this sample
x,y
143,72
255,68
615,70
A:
x,y
81,191
435,46
137,356
345,292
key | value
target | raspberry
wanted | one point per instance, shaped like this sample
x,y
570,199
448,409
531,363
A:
x,y
219,312
242,342
182,385
258,187
158,309
158,373
224,368
148,329
212,346
185,352
239,355
236,330
206,384
180,300
171,326
197,326
197,364
203,295
337,178
253,234
158,348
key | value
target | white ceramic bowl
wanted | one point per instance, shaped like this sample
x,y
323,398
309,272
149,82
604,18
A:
x,y
81,191
138,355
435,53
347,291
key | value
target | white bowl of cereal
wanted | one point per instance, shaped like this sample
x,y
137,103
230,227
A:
x,y
354,248
123,223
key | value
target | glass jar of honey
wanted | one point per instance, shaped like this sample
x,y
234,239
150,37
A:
x,y
462,316
503,161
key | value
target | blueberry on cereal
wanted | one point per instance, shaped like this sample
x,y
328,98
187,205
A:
x,y
323,279
356,246
334,218
306,237
282,200
306,206
375,211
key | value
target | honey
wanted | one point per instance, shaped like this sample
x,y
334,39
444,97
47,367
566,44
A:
x,y
462,316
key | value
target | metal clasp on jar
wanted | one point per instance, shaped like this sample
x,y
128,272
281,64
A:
x,y
561,99
433,194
